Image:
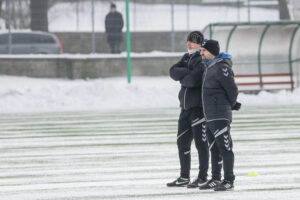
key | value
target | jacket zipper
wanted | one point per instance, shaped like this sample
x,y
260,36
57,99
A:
x,y
187,88
203,92
184,98
204,77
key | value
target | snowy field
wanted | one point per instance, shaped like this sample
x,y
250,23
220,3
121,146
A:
x,y
131,154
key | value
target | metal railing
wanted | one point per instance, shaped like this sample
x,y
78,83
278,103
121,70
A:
x,y
210,29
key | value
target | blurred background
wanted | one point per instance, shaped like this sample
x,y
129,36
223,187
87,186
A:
x,y
261,35
153,23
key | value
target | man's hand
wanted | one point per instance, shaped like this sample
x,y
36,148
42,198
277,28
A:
x,y
237,106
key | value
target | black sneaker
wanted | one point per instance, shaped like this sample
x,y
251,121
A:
x,y
197,183
211,184
224,186
180,182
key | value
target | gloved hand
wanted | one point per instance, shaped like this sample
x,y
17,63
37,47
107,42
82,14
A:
x,y
237,106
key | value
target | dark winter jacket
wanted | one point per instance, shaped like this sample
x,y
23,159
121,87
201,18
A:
x,y
219,90
189,71
113,26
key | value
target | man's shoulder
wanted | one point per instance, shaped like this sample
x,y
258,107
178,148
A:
x,y
197,56
224,68
110,15
185,56
224,63
118,13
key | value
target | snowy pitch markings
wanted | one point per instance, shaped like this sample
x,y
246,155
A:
x,y
132,154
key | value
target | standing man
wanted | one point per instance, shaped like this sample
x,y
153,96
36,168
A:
x,y
113,27
189,71
219,95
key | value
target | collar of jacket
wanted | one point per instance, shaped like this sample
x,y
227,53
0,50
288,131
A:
x,y
193,51
213,62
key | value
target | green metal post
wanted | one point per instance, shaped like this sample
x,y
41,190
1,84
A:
x,y
128,43
259,53
229,37
290,55
210,31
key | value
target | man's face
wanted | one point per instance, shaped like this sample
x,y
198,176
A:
x,y
191,45
206,55
113,9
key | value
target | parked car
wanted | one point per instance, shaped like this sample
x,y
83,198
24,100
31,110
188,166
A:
x,y
30,43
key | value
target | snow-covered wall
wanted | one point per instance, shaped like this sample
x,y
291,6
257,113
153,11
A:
x,y
81,42
87,66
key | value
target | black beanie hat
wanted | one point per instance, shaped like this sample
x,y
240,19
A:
x,y
212,46
195,37
112,5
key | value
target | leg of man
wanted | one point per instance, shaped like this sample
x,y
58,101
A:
x,y
223,140
199,135
115,47
118,45
184,140
111,45
216,159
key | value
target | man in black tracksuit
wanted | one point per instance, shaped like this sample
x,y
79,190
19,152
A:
x,y
113,28
219,98
189,71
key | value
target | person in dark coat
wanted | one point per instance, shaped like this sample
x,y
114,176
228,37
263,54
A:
x,y
188,71
113,27
219,98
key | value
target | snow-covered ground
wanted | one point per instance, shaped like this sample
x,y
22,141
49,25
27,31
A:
x,y
122,145
22,94
147,17
132,154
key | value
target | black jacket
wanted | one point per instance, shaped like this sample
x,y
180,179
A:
x,y
189,71
219,90
113,26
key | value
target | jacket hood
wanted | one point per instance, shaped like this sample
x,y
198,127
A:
x,y
224,55
219,60
227,61
225,58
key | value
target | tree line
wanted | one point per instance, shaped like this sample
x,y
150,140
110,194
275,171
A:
x,y
33,14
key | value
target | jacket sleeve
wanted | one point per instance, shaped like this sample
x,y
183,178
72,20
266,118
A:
x,y
194,77
106,24
121,22
178,71
226,79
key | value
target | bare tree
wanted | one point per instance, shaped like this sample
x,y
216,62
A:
x,y
0,8
38,13
283,10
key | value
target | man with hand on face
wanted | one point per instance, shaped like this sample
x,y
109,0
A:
x,y
219,95
189,71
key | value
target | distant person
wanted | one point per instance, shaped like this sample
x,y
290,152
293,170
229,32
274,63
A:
x,y
113,28
191,124
219,98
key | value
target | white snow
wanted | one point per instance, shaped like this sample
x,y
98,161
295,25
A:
x,y
132,154
23,94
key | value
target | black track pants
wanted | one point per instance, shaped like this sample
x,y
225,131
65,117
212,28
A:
x,y
191,125
220,146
